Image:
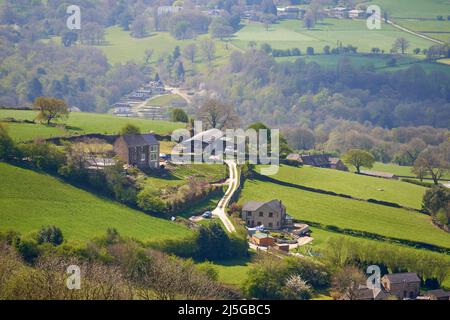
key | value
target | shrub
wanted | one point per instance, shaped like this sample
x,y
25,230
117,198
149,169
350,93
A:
x,y
8,149
150,201
419,183
44,156
50,234
129,129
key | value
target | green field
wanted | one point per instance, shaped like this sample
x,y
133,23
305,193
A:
x,y
291,34
233,272
121,47
439,30
346,213
179,174
165,100
398,170
30,200
80,123
357,186
414,8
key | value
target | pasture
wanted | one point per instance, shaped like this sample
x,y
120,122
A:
x,y
165,100
290,34
350,214
358,186
30,200
120,47
80,123
425,9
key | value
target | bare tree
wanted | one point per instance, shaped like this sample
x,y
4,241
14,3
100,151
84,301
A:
x,y
217,114
400,44
346,283
432,161
208,48
190,52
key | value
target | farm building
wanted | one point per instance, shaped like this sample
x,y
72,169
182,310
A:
x,y
122,109
318,160
272,214
263,239
141,150
354,14
438,294
365,293
403,285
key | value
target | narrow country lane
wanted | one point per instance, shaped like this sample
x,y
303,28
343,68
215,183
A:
x,y
220,211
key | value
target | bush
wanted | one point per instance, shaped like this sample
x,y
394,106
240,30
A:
x,y
44,156
50,234
419,183
179,115
129,129
8,148
150,201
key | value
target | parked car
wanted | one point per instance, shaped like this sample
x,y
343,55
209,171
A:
x,y
207,215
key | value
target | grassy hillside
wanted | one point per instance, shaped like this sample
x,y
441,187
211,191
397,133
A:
x,y
80,123
397,170
121,47
30,200
291,34
414,8
357,186
346,213
165,100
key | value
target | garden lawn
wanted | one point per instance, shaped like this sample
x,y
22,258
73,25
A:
x,y
358,186
177,175
30,200
347,213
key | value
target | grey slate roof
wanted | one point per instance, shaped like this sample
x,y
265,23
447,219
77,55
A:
x,y
402,277
140,140
276,205
439,293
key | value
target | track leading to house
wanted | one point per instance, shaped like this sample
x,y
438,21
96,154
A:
x,y
223,203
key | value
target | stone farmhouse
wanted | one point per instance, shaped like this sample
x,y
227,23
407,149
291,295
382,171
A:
x,y
272,214
141,150
318,160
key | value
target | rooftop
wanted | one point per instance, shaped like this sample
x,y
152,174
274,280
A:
x,y
402,277
255,205
139,140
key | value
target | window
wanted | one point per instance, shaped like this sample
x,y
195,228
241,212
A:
x,y
261,214
154,148
249,214
270,225
270,214
153,156
259,223
143,155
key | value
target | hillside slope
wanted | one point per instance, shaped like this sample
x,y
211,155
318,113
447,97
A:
x,y
29,200
357,186
347,213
